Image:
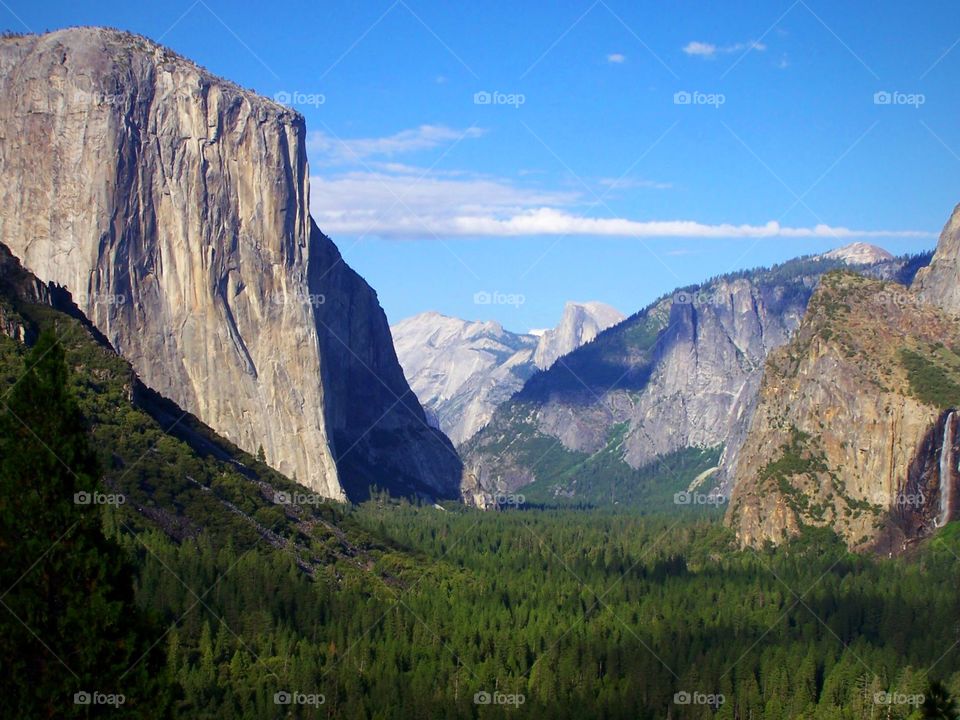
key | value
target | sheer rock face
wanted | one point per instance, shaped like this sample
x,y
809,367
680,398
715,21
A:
x,y
856,426
939,283
838,438
684,372
581,323
174,207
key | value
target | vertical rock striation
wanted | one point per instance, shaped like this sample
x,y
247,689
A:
x,y
174,207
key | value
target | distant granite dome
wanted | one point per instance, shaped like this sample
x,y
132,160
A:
x,y
581,323
461,370
677,378
859,253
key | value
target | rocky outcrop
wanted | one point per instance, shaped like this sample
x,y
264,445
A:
x,y
581,323
939,283
174,207
849,431
461,370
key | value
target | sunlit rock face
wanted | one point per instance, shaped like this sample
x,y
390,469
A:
x,y
174,206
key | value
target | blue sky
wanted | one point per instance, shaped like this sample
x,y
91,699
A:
x,y
548,151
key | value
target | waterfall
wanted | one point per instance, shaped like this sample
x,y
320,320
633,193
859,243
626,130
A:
x,y
946,472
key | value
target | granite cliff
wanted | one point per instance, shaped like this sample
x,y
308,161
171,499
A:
x,y
856,425
173,205
853,418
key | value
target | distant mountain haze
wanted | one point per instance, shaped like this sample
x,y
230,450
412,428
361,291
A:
x,y
461,370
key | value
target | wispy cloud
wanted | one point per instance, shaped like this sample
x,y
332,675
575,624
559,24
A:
x,y
391,206
710,51
415,201
377,195
421,138
616,58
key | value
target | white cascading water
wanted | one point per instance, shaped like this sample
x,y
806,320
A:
x,y
946,472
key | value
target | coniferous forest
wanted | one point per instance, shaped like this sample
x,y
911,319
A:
x,y
439,612
357,361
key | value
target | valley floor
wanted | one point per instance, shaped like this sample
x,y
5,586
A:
x,y
560,613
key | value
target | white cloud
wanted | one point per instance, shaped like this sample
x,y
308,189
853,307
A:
x,y
616,58
392,206
699,48
710,51
405,141
550,221
418,202
368,192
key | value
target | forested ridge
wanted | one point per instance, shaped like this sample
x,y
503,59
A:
x,y
203,596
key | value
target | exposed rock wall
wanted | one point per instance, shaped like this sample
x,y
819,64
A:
x,y
839,438
174,207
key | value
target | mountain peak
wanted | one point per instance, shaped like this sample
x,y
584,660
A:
x,y
858,253
581,323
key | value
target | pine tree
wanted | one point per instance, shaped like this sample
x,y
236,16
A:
x,y
68,626
938,703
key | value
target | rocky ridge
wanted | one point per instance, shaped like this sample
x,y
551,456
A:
x,y
856,425
681,374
